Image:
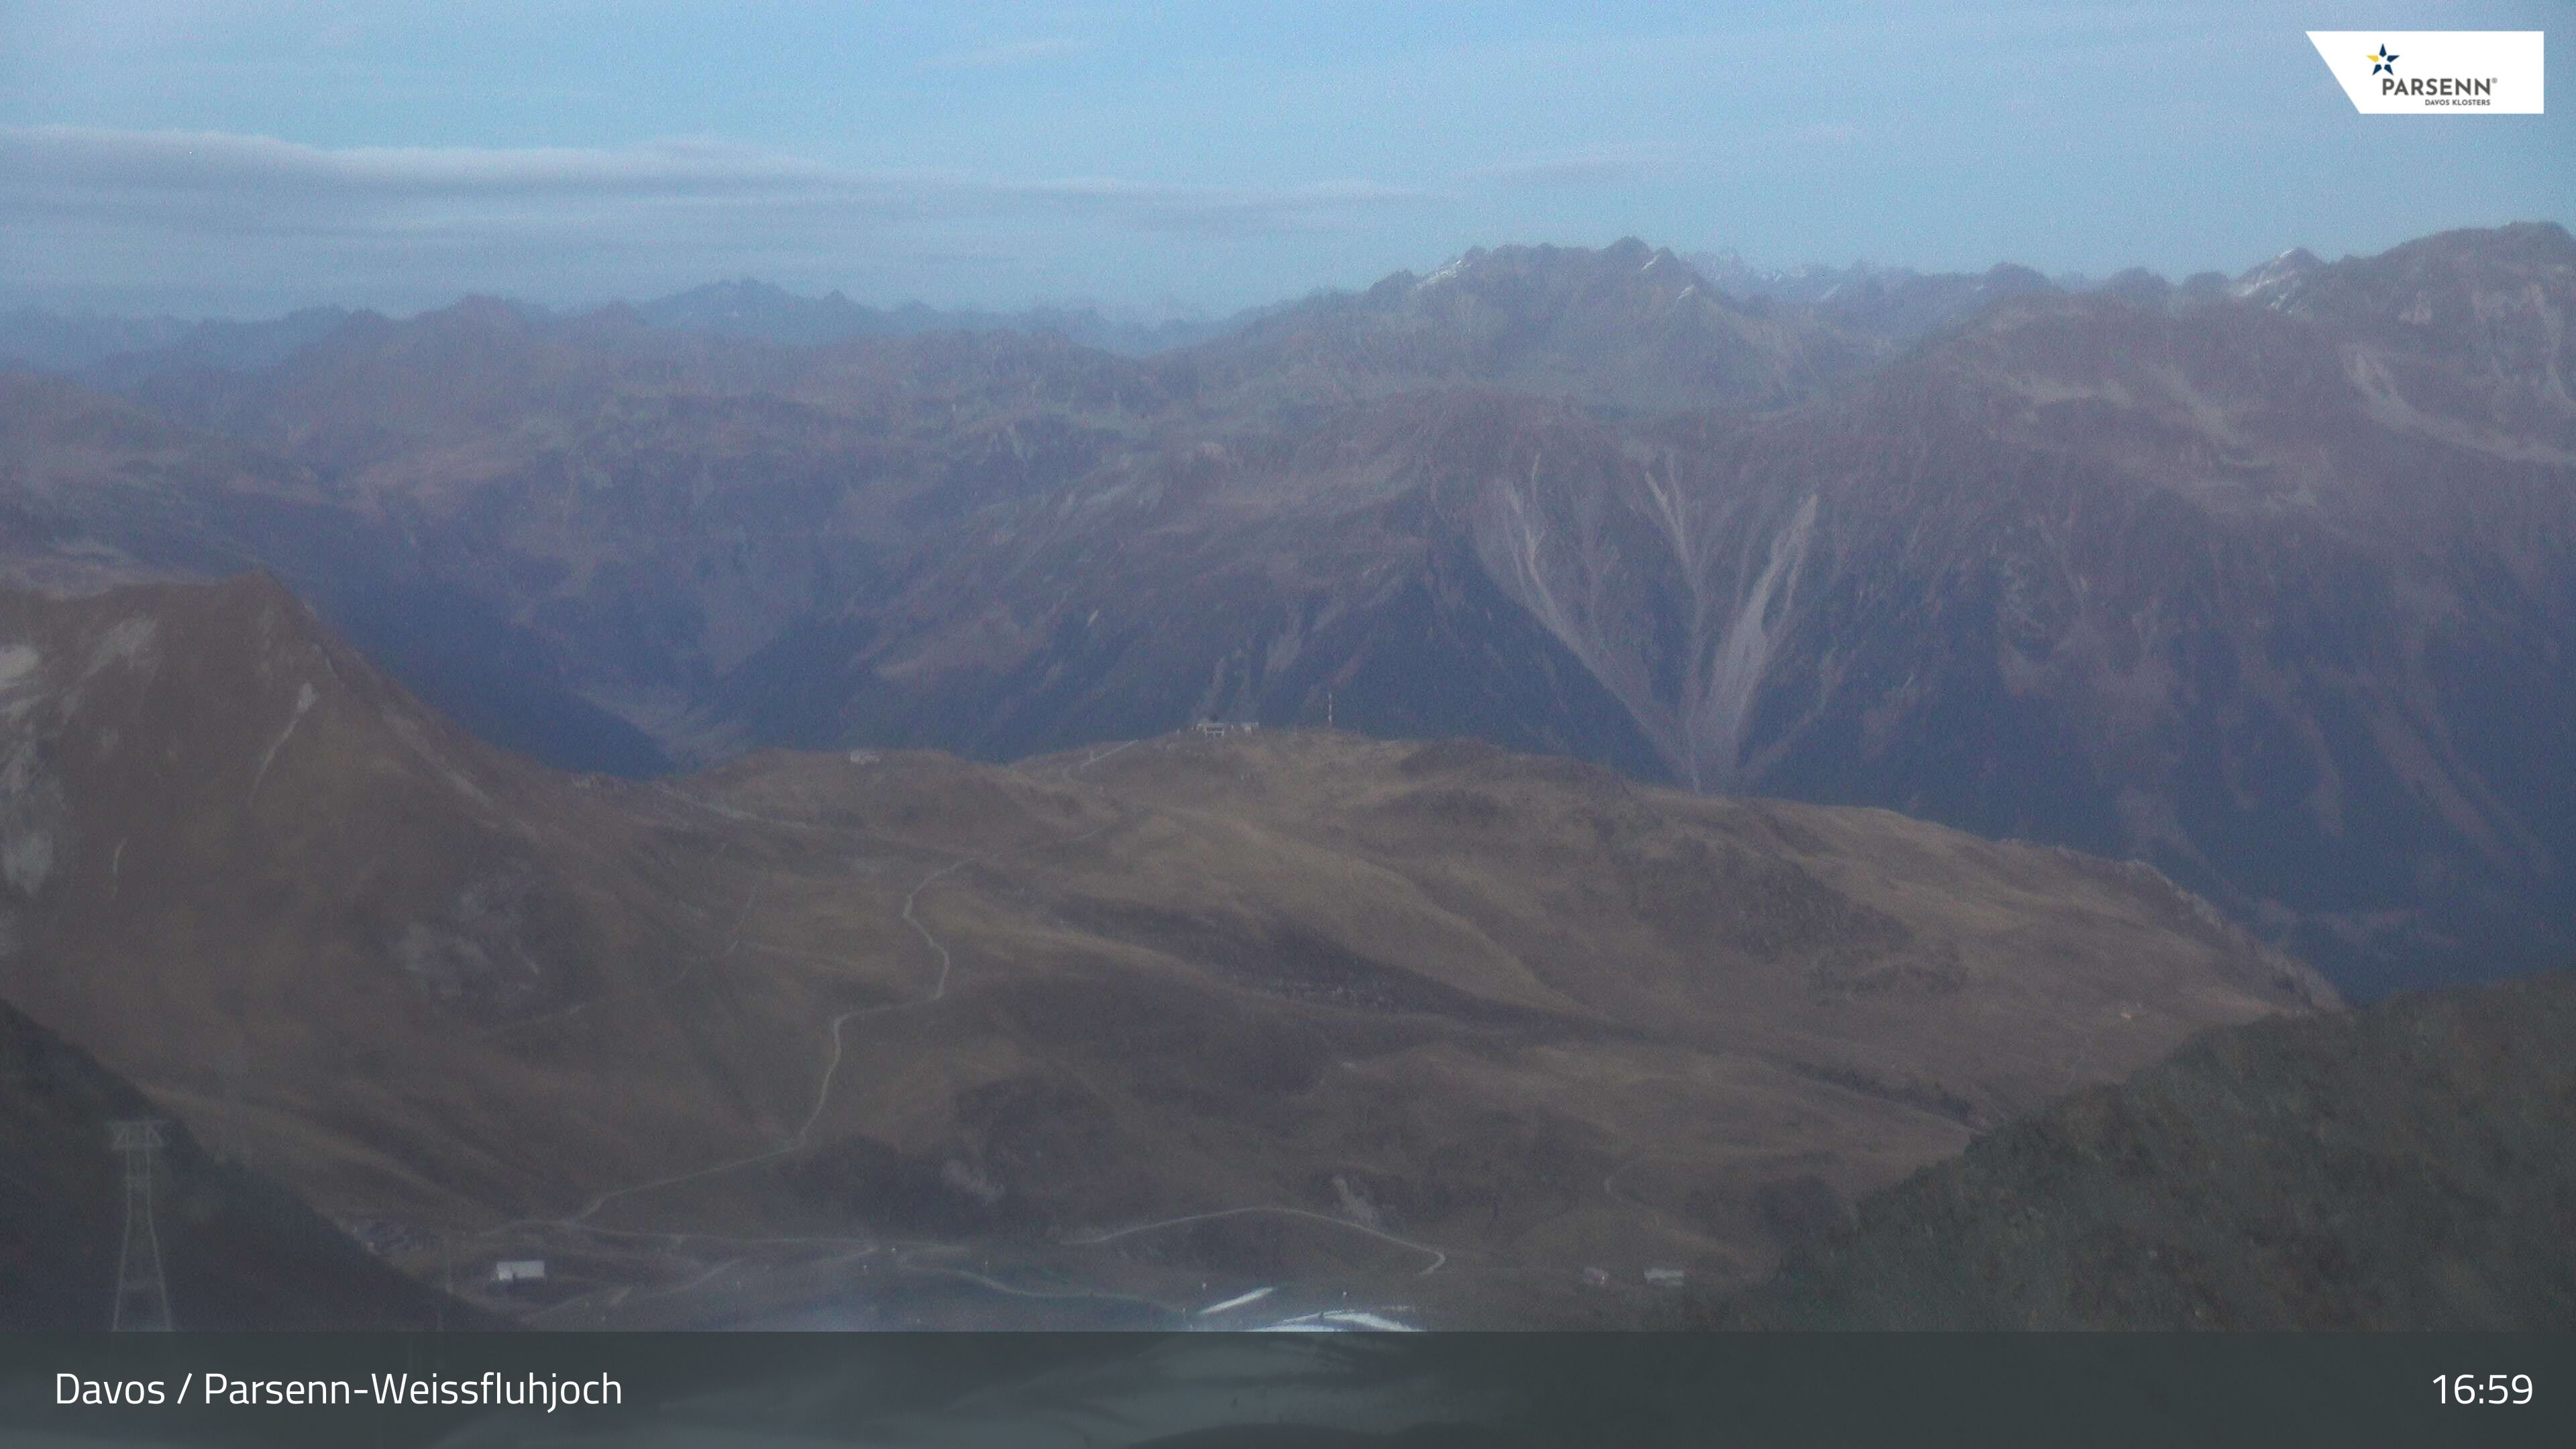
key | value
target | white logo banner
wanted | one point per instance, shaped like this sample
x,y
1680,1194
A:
x,y
2435,72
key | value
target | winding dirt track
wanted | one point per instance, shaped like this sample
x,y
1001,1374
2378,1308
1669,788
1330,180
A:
x,y
903,1256
797,1140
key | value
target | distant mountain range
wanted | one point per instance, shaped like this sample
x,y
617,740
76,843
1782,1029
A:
x,y
121,349
768,313
117,350
2265,581
128,346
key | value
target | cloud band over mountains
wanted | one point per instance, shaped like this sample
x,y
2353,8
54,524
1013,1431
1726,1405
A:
x,y
160,204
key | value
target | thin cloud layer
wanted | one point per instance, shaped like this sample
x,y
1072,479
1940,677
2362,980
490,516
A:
x,y
1150,151
159,204
45,168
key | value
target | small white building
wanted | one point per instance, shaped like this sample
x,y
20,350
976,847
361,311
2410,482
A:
x,y
519,1270
1664,1277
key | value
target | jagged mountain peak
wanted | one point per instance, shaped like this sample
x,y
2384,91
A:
x,y
2467,334
2523,253
2464,266
2271,283
1628,328
1550,266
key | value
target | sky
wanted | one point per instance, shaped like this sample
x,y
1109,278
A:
x,y
243,157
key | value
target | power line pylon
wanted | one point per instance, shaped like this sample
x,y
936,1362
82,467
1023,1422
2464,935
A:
x,y
142,1294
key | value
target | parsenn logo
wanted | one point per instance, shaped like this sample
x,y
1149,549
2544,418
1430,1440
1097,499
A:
x,y
2448,72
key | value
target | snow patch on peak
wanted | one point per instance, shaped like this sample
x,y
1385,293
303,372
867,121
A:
x,y
1456,267
127,641
34,819
18,680
2272,282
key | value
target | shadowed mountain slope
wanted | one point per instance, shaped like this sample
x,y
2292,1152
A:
x,y
2399,1167
1289,1008
238,1251
2278,603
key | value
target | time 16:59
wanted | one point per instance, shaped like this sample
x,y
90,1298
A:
x,y
2489,1389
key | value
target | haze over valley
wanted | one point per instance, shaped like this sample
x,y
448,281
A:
x,y
2262,583
1476,801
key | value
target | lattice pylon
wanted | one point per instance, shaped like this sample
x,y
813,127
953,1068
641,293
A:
x,y
142,1293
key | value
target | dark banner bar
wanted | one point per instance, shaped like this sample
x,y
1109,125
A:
x,y
1281,1391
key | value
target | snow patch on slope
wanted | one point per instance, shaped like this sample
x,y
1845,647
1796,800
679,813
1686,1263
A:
x,y
127,641
305,698
34,817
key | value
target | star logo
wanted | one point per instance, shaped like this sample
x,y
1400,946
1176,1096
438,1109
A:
x,y
2382,60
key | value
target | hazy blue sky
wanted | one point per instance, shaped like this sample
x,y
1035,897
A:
x,y
241,156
